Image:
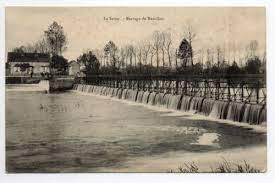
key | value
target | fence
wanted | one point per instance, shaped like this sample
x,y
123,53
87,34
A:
x,y
242,88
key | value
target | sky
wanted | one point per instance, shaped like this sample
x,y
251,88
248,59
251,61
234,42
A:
x,y
87,27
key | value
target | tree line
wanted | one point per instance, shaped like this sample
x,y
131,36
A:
x,y
157,54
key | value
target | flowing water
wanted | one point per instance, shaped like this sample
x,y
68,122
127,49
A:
x,y
77,132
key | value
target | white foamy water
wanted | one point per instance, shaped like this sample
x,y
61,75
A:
x,y
208,139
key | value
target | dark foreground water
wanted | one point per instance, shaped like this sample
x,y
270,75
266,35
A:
x,y
70,132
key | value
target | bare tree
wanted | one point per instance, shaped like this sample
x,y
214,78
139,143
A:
x,y
134,52
41,46
162,47
218,50
123,54
167,47
157,45
139,50
176,59
100,55
152,53
29,48
147,47
209,62
252,49
129,53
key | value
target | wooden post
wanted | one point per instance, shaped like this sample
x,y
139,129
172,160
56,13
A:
x,y
228,90
242,91
177,87
217,90
257,92
205,87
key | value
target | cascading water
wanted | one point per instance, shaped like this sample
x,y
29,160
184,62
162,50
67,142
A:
x,y
119,93
185,103
196,104
139,96
124,94
83,88
207,106
151,99
235,111
219,109
110,93
262,118
158,99
77,86
114,92
252,114
174,102
107,91
165,100
133,95
145,97
95,91
102,92
89,89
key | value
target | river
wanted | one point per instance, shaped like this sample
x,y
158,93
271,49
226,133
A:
x,y
70,132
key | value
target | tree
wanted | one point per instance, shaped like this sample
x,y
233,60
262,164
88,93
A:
x,y
167,46
41,46
253,65
59,64
252,49
233,69
20,49
139,50
219,56
146,50
129,53
162,47
185,53
56,38
110,50
90,63
157,42
190,35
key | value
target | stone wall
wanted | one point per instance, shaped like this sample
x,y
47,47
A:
x,y
61,84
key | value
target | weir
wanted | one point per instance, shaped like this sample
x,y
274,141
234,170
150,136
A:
x,y
219,109
239,88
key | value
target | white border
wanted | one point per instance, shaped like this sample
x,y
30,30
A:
x,y
141,177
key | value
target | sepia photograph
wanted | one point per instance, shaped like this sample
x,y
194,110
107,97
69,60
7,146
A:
x,y
135,89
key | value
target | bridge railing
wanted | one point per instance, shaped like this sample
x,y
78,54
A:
x,y
242,88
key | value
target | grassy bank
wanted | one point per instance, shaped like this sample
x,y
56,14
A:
x,y
223,167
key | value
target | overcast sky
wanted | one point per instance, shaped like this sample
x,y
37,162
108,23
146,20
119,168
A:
x,y
86,28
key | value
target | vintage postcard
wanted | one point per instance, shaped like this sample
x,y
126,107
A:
x,y
135,89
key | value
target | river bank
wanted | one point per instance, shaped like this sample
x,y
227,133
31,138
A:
x,y
205,161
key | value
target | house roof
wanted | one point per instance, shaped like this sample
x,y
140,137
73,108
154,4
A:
x,y
28,57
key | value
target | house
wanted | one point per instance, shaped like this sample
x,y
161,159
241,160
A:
x,y
74,68
28,63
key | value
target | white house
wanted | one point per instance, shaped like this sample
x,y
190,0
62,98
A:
x,y
28,63
74,68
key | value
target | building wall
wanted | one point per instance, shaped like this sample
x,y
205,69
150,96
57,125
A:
x,y
74,69
38,67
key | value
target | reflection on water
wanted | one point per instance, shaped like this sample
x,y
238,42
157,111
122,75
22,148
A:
x,y
74,133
